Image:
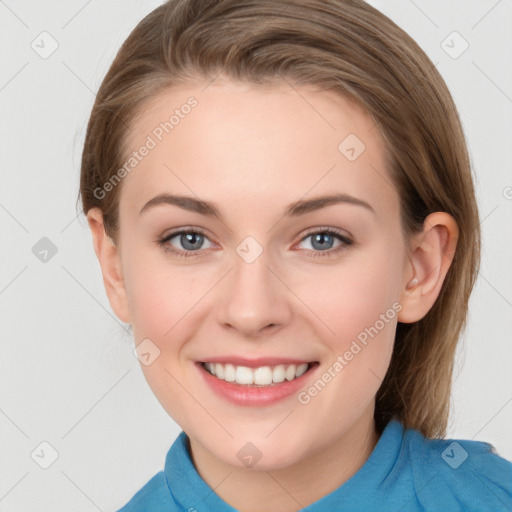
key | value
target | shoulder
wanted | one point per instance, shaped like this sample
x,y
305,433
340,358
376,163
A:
x,y
154,496
459,474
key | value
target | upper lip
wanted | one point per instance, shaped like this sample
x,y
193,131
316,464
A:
x,y
255,362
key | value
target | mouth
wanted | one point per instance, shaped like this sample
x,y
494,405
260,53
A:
x,y
256,383
268,375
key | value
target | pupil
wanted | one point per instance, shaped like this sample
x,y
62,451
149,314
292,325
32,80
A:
x,y
321,237
191,239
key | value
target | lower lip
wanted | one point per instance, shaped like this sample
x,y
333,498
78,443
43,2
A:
x,y
244,394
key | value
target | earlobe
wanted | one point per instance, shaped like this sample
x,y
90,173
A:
x,y
431,255
110,263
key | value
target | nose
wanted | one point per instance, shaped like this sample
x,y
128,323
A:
x,y
252,300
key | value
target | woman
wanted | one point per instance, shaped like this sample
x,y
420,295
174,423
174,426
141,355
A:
x,y
282,205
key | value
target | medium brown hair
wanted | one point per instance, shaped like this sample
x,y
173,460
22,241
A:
x,y
351,48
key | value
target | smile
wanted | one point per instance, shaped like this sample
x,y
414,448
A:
x,y
259,376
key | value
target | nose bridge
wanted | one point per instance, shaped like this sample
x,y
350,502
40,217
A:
x,y
252,298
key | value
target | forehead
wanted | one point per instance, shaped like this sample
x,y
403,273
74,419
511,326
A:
x,y
241,144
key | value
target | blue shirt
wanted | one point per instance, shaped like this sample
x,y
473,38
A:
x,y
405,472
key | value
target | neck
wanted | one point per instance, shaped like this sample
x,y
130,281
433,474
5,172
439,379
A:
x,y
292,488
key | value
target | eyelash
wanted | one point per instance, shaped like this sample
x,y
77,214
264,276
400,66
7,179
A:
x,y
346,242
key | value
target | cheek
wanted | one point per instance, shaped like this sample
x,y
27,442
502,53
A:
x,y
352,295
159,292
357,301
159,301
360,307
151,304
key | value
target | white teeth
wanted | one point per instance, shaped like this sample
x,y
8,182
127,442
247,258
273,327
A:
x,y
229,373
244,375
290,372
301,370
219,371
278,373
261,376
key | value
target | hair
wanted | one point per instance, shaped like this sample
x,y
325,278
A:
x,y
351,48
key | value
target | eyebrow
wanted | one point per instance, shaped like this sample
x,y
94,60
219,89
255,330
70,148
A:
x,y
293,210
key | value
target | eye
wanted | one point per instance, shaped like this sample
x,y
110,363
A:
x,y
190,240
322,242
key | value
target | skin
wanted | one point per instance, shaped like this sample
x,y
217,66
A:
x,y
253,151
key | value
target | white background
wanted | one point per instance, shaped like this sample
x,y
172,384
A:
x,y
67,373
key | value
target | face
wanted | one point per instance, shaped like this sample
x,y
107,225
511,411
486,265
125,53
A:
x,y
254,273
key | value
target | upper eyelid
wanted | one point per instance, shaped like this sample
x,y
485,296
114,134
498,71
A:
x,y
182,231
335,231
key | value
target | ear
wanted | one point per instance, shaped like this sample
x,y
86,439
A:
x,y
110,263
431,254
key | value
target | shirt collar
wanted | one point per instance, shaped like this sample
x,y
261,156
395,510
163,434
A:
x,y
190,491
